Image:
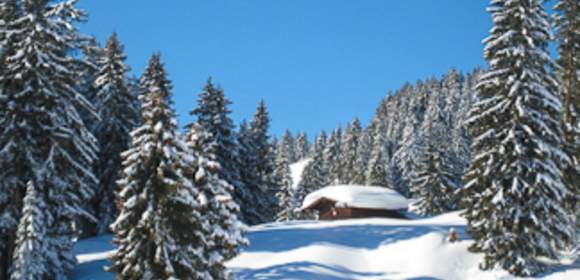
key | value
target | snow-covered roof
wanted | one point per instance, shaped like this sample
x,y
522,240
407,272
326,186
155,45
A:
x,y
358,197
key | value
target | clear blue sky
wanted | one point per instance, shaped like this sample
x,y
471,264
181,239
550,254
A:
x,y
316,63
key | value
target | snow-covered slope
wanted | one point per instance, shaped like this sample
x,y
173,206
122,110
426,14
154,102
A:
x,y
347,249
296,170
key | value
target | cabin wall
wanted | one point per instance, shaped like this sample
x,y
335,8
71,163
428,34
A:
x,y
349,213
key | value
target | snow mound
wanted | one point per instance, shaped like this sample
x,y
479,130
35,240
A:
x,y
358,249
296,170
358,197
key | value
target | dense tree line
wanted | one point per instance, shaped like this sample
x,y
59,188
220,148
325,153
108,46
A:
x,y
503,143
410,127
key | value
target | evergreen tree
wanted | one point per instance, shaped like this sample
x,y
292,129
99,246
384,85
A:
x,y
567,21
213,115
287,146
8,12
118,116
265,161
377,171
435,183
288,197
331,157
161,231
302,147
349,152
320,143
225,234
254,201
42,136
30,255
88,70
314,175
514,186
363,155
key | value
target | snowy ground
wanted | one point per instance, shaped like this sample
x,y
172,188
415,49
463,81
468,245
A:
x,y
349,249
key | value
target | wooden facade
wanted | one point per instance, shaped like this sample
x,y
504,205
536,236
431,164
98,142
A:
x,y
327,211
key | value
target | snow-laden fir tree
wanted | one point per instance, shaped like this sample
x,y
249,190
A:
x,y
514,186
118,116
331,156
88,71
302,149
377,172
42,136
161,231
349,152
320,143
8,12
265,161
567,22
287,146
30,255
8,209
288,197
461,141
254,200
225,235
363,155
213,115
314,175
404,164
435,182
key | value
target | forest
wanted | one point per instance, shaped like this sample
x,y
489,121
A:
x,y
87,149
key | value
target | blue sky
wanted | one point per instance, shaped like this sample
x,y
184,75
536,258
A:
x,y
316,63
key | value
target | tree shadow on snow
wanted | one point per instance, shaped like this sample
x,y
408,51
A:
x,y
560,268
305,270
93,270
360,236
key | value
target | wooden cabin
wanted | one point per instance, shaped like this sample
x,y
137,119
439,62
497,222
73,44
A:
x,y
349,202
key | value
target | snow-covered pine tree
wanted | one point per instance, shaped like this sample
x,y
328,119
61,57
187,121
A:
x,y
225,235
514,186
213,114
88,72
288,197
8,209
363,155
118,116
410,142
288,146
378,171
265,161
161,231
42,136
349,152
8,12
314,175
435,182
255,201
331,156
567,22
302,146
30,255
460,138
320,143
